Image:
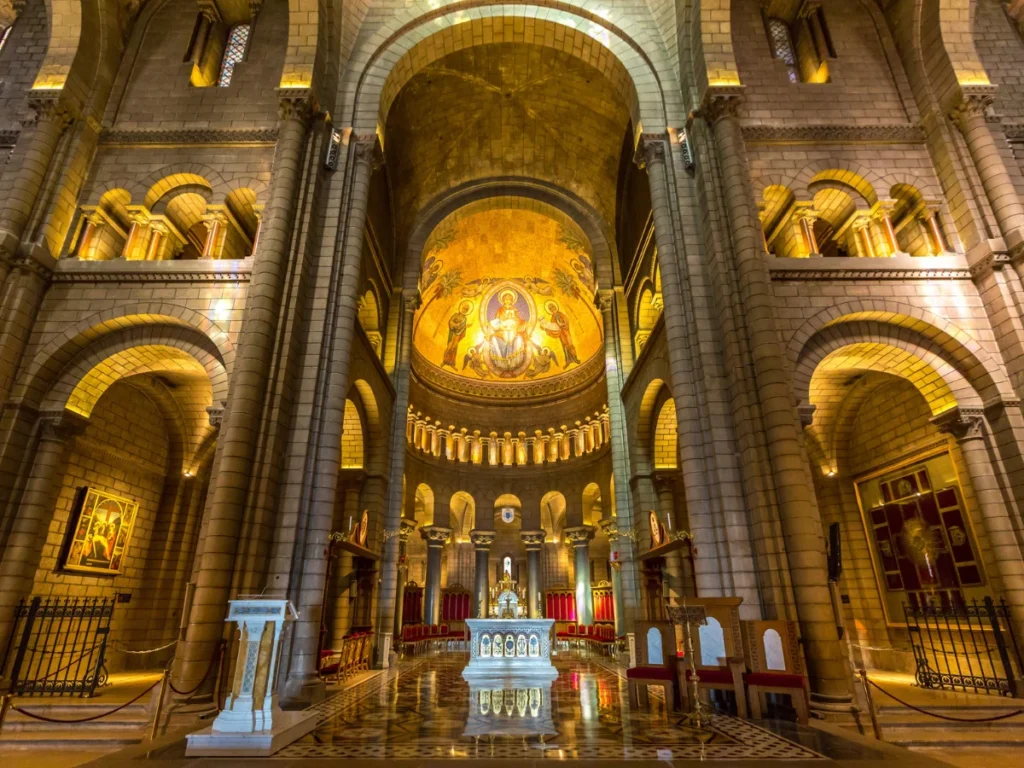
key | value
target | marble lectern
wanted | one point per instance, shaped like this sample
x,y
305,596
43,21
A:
x,y
519,648
252,723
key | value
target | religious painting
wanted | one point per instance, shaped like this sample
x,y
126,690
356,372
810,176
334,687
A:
x,y
656,538
364,529
922,544
99,533
507,296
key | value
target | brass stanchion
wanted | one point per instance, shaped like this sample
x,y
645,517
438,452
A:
x,y
871,704
159,704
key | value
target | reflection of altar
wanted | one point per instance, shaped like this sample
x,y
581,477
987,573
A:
x,y
502,647
510,707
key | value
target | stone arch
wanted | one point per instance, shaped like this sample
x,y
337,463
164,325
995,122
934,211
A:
x,y
553,514
423,504
591,497
353,436
906,324
654,395
65,32
375,445
303,37
462,514
664,449
853,175
173,184
119,328
593,226
655,107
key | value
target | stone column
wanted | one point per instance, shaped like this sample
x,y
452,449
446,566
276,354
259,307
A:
x,y
389,573
610,527
32,518
405,529
18,311
436,537
580,536
42,132
968,426
249,378
534,541
628,574
482,541
970,117
801,522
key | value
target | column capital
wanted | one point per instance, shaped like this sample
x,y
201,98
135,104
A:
x,y
806,413
610,528
215,413
962,423
411,300
652,148
580,535
721,102
606,299
435,535
296,104
405,529
533,540
367,150
61,425
975,101
482,540
47,108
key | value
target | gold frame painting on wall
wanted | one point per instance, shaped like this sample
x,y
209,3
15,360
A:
x,y
99,533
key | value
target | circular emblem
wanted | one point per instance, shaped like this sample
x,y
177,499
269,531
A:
x,y
655,530
508,515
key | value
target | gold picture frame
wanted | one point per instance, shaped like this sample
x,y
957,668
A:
x,y
99,532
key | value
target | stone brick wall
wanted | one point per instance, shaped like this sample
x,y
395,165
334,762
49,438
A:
x,y
20,60
1001,50
862,88
159,96
125,451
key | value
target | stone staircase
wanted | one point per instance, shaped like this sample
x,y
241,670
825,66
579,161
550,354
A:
x,y
124,728
906,728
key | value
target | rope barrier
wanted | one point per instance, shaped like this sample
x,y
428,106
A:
x,y
878,648
117,709
209,669
946,717
150,650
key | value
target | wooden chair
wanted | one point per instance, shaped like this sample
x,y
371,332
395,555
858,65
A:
x,y
718,654
656,653
776,665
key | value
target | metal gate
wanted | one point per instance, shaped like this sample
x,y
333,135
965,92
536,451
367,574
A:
x,y
58,646
966,647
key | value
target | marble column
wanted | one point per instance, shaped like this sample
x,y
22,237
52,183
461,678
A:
x,y
968,427
249,379
610,527
32,518
534,542
580,537
436,537
798,510
482,541
405,529
970,117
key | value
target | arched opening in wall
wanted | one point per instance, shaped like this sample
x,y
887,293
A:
x,y
104,230
665,444
917,226
833,227
461,559
783,235
508,522
352,437
897,487
424,505
241,220
648,310
368,313
557,561
130,500
592,504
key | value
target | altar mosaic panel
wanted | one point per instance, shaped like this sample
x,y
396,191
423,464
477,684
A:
x,y
419,711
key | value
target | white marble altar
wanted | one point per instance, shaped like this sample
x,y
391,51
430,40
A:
x,y
505,647
251,723
510,706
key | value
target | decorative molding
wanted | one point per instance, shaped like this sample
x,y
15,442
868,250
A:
x,y
189,137
903,133
869,274
121,271
533,539
482,540
435,535
962,423
1013,131
579,535
9,137
556,386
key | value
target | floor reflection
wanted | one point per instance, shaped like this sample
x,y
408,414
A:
x,y
426,710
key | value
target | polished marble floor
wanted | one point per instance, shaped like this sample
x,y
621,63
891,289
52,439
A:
x,y
422,711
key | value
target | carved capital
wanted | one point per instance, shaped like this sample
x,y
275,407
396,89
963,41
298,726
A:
x,y
405,529
610,528
806,411
962,423
482,540
412,300
652,148
297,104
580,535
209,10
720,103
435,535
367,151
26,265
976,103
606,300
215,413
992,262
533,540
61,426
47,110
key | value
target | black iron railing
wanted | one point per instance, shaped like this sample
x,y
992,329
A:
x,y
58,646
965,646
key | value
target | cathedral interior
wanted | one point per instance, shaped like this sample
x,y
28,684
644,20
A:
x,y
694,328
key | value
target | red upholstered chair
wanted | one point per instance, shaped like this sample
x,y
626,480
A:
x,y
718,653
776,665
656,651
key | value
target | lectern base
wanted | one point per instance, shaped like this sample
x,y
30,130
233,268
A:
x,y
288,727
